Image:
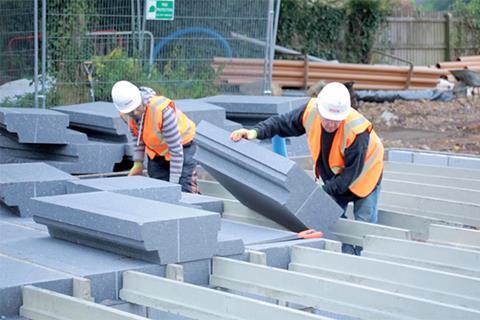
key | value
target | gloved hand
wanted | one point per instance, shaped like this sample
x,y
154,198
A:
x,y
137,169
243,133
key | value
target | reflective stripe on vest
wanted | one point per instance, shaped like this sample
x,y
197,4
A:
x,y
153,136
368,162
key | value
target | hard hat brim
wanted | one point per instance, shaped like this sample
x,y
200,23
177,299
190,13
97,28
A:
x,y
131,107
333,116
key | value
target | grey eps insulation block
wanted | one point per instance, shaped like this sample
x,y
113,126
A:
x,y
13,232
248,110
136,186
21,182
265,182
257,104
14,274
27,222
203,202
35,125
231,125
252,234
198,110
96,118
103,269
78,158
141,228
229,243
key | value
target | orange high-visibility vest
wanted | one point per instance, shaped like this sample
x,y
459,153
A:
x,y
354,124
152,135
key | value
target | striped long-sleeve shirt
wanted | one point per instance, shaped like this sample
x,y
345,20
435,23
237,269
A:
x,y
171,135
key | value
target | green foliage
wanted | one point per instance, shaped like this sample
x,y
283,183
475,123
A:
x,y
25,101
365,17
468,12
436,5
68,45
177,79
16,43
331,29
117,66
311,27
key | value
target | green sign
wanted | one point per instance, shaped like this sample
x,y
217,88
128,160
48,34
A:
x,y
160,9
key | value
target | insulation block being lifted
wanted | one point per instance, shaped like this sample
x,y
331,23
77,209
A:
x,y
21,182
272,185
35,125
145,229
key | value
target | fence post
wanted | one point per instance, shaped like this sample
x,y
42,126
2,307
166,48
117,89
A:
x,y
448,37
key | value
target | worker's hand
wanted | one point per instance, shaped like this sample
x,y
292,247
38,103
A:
x,y
137,169
243,133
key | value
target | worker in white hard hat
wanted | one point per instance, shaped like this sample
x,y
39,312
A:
x,y
346,151
161,131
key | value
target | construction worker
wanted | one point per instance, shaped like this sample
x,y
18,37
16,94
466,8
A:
x,y
346,151
162,131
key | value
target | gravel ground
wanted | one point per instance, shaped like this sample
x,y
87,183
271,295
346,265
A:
x,y
439,126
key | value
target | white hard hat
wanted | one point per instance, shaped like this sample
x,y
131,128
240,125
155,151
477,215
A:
x,y
126,96
333,101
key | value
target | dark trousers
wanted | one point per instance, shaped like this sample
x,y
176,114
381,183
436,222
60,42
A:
x,y
159,168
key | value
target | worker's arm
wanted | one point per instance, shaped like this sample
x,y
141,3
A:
x,y
354,162
174,142
138,156
285,125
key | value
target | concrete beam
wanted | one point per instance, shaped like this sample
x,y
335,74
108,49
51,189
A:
x,y
265,182
457,173
41,304
450,182
422,283
131,226
353,232
432,191
342,298
426,255
417,225
462,212
455,236
198,302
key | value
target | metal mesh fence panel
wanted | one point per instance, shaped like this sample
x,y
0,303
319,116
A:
x,y
91,44
16,45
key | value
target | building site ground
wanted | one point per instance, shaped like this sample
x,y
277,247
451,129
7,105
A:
x,y
452,126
